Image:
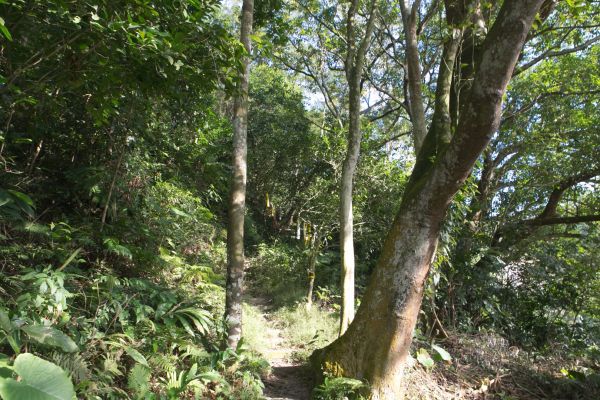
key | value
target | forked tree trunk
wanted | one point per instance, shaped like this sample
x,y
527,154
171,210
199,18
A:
x,y
377,342
237,196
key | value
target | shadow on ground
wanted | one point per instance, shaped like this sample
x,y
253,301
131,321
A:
x,y
290,382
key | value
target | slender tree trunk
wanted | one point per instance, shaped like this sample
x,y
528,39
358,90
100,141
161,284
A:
x,y
8,120
478,207
111,189
237,197
312,263
36,154
442,120
377,342
311,280
413,65
441,124
346,215
353,65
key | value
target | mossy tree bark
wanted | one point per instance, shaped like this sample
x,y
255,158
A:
x,y
237,196
377,342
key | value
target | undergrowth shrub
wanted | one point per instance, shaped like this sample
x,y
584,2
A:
x,y
148,335
177,219
340,388
278,272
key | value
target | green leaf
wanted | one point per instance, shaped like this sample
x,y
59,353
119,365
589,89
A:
x,y
6,370
5,31
257,37
210,376
114,247
425,359
21,196
16,346
5,373
138,380
180,213
136,355
574,375
40,380
443,354
5,323
68,260
51,337
186,325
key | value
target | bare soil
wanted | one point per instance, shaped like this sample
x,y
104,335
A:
x,y
288,380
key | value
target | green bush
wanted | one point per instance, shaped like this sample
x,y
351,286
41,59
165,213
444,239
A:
x,y
278,272
340,388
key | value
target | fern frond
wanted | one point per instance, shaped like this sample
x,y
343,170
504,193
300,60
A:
x,y
139,380
111,365
74,364
195,352
163,362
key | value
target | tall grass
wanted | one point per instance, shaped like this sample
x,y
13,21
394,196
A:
x,y
306,330
253,329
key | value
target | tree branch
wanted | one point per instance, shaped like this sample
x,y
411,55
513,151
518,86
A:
x,y
382,143
559,190
549,53
562,220
543,96
428,15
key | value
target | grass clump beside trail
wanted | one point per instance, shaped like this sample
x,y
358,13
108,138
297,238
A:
x,y
277,279
255,325
306,330
293,328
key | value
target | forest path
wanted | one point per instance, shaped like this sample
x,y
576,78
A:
x,y
288,380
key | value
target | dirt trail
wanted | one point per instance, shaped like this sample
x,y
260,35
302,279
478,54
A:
x,y
288,380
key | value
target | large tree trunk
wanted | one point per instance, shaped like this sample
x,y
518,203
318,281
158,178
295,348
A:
x,y
354,65
237,196
377,342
